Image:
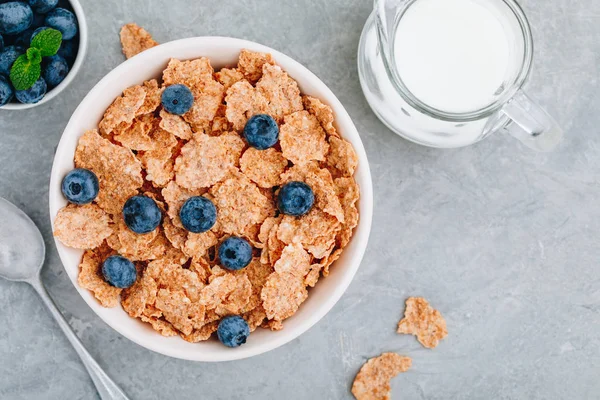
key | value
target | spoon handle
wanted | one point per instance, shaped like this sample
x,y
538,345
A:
x,y
107,389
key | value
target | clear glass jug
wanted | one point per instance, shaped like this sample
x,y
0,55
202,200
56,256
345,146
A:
x,y
508,110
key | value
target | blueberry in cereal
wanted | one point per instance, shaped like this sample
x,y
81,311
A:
x,y
198,214
177,99
34,93
295,198
261,131
233,331
80,186
55,70
141,214
64,21
15,17
235,253
119,272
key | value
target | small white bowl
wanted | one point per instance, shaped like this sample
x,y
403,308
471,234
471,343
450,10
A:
x,y
83,43
222,52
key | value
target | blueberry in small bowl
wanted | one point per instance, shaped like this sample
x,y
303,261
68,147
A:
x,y
6,91
25,58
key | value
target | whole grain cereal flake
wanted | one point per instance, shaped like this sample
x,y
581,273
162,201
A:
x,y
175,196
82,227
153,97
243,101
175,125
323,112
373,380
90,277
341,158
251,64
135,39
421,320
280,92
302,138
316,231
264,167
119,172
123,110
228,76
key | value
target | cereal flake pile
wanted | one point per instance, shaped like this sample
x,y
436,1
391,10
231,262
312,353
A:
x,y
141,149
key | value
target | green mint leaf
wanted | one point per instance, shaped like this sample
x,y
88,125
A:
x,y
47,42
24,73
34,56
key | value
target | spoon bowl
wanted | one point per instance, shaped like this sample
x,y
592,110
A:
x,y
22,248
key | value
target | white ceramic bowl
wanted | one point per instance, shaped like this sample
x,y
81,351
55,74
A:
x,y
221,51
81,51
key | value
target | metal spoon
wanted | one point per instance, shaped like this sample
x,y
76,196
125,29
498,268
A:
x,y
22,253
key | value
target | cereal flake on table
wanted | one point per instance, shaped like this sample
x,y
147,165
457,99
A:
x,y
141,149
135,39
373,380
421,320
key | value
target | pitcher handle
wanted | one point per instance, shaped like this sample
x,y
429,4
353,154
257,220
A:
x,y
531,124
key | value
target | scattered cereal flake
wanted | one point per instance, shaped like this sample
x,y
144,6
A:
x,y
179,310
175,235
161,326
263,166
197,244
137,247
255,317
243,101
82,227
316,231
206,160
251,64
228,76
349,193
342,157
90,277
227,294
302,139
118,170
204,333
294,260
280,92
321,182
282,295
239,205
123,110
323,112
153,97
135,299
421,320
175,124
175,196
137,135
135,39
373,380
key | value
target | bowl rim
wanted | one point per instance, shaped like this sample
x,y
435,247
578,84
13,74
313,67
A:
x,y
81,53
361,233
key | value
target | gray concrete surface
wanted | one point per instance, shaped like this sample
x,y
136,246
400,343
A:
x,y
504,241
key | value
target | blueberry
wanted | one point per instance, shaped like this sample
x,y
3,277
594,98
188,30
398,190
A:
x,y
34,93
23,39
68,50
1,43
42,6
198,214
233,331
261,131
141,214
80,186
235,253
55,69
8,57
36,31
6,91
177,99
295,198
64,21
119,271
15,17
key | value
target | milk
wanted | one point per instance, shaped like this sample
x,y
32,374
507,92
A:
x,y
452,55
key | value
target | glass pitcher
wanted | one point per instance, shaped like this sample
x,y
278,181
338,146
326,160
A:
x,y
509,109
